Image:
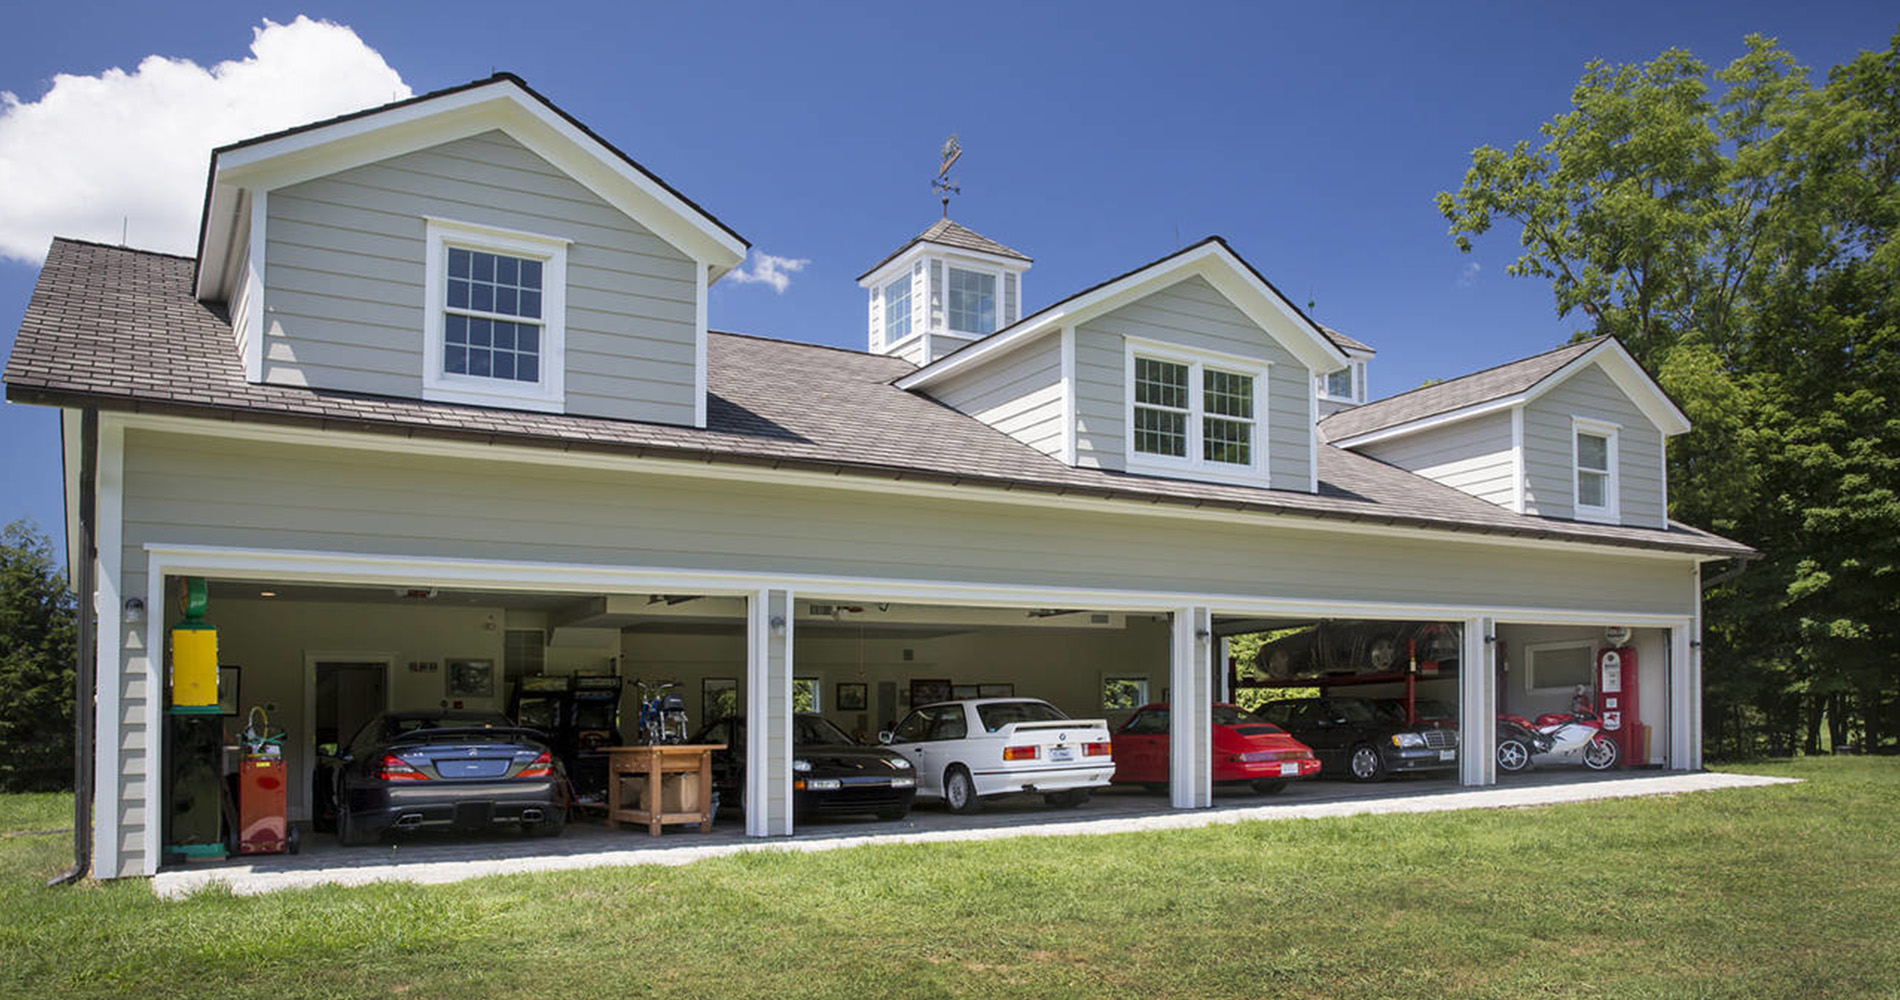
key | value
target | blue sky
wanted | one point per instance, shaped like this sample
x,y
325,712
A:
x,y
1097,137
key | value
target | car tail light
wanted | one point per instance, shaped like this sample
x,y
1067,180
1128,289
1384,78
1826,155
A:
x,y
1022,753
540,767
1099,749
394,768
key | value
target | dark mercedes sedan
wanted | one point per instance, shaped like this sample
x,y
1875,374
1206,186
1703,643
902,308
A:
x,y
1354,738
445,770
832,774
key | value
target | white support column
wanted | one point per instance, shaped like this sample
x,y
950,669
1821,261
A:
x,y
1191,718
769,714
109,652
1685,694
1478,703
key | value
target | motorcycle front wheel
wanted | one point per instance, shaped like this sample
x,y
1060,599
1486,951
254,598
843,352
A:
x,y
1513,755
1600,755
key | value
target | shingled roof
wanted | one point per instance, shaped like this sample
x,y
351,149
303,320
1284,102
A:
x,y
1500,382
119,329
1351,343
950,234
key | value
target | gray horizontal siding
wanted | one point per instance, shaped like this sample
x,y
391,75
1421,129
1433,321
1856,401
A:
x,y
1019,394
225,492
344,278
1593,395
1472,455
1193,314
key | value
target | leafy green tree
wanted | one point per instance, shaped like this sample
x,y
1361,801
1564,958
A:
x,y
1736,230
36,664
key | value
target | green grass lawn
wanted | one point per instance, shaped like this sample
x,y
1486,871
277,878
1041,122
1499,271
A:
x,y
1791,891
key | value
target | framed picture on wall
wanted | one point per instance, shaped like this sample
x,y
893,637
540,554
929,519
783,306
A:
x,y
851,697
962,691
923,692
471,678
996,690
718,699
228,690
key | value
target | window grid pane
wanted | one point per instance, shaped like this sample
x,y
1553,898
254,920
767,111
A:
x,y
1228,394
1160,432
1161,383
1161,410
1593,452
897,310
1228,441
970,305
1593,489
483,346
1339,384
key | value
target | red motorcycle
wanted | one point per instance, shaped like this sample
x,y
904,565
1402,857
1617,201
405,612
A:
x,y
1569,737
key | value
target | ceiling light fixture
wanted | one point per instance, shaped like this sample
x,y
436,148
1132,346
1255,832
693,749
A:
x,y
267,593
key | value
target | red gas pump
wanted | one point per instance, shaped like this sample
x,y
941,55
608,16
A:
x,y
263,819
1616,703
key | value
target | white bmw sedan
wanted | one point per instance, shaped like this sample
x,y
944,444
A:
x,y
966,751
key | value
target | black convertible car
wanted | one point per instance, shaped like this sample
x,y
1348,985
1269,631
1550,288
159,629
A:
x,y
443,770
831,772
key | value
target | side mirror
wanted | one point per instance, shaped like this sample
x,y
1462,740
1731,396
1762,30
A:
x,y
884,736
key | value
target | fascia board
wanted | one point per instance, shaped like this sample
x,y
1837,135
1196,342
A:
x,y
1436,420
318,152
1275,314
1629,377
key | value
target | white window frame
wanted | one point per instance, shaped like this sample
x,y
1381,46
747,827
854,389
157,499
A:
x,y
996,283
1255,473
817,692
1610,512
1358,393
1530,666
910,310
550,393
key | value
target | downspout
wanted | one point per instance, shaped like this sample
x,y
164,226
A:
x,y
86,664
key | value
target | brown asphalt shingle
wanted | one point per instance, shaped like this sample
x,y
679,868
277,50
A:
x,y
1507,379
119,329
950,234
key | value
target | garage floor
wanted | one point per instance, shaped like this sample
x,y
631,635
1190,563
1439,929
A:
x,y
589,844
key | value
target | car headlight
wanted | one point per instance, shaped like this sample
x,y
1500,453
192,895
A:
x,y
801,765
1407,740
898,763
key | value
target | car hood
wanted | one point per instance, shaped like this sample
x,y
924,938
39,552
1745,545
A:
x,y
845,757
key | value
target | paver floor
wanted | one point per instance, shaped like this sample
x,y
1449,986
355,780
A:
x,y
439,858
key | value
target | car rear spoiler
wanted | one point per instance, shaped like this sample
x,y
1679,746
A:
x,y
1032,727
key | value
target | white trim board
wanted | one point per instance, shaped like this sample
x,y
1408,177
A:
x,y
1214,511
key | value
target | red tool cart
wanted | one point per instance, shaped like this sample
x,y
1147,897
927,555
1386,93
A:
x,y
263,783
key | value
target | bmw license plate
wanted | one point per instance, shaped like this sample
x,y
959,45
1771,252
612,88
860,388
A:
x,y
1447,755
1061,753
1289,770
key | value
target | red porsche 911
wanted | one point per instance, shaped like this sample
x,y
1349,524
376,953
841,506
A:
x,y
1247,749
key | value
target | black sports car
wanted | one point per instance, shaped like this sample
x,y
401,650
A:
x,y
831,772
445,770
1354,738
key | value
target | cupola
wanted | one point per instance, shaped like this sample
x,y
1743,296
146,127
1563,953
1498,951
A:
x,y
949,286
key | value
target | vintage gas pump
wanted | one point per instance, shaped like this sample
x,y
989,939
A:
x,y
1616,703
263,818
194,782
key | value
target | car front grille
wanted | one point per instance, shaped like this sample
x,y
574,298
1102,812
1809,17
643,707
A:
x,y
1440,739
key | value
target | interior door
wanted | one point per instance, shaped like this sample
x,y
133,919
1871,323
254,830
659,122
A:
x,y
348,695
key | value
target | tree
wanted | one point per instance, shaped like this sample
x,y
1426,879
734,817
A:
x,y
37,612
1742,245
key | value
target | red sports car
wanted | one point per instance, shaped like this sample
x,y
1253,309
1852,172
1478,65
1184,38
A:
x,y
1247,748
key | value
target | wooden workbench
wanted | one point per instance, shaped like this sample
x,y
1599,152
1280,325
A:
x,y
651,762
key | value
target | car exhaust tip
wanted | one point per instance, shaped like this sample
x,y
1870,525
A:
x,y
531,815
409,820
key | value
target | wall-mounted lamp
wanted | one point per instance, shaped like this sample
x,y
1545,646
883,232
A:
x,y
1695,643
1489,639
134,611
778,625
1201,633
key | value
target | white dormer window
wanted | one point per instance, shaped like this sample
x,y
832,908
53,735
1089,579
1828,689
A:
x,y
495,331
970,305
1195,415
1594,457
897,310
1346,385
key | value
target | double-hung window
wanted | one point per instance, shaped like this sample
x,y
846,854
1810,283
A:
x,y
897,310
494,327
970,305
1595,460
1189,413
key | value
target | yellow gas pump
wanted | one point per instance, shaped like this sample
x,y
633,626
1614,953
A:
x,y
194,653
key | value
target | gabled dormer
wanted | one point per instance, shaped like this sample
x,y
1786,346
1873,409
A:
x,y
944,290
475,245
1189,367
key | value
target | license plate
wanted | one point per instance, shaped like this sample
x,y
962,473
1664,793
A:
x,y
1061,753
1289,770
1447,755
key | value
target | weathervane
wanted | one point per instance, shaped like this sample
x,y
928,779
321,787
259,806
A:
x,y
943,185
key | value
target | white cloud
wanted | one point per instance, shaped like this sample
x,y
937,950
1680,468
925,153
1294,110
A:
x,y
769,270
1469,274
97,151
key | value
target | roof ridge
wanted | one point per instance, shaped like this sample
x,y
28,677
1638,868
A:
x,y
123,248
805,343
1592,342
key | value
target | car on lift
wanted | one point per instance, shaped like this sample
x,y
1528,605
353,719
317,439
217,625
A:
x,y
1356,738
832,774
967,751
445,770
1247,750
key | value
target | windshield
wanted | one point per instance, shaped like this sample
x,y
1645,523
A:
x,y
816,729
997,714
1353,709
1234,715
